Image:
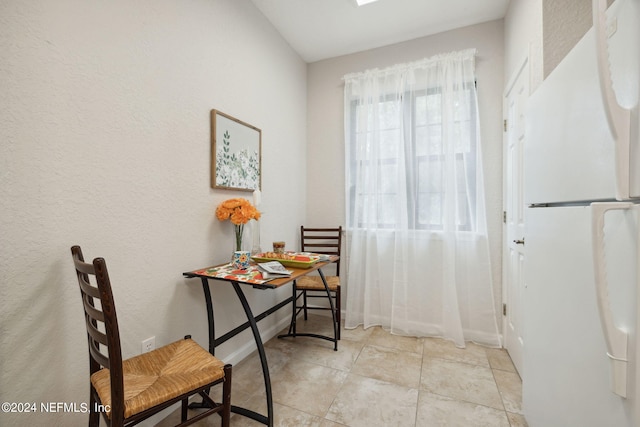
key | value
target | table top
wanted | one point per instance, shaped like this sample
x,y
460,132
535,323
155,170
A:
x,y
250,278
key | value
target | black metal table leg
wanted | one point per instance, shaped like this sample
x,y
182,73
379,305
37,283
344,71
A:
x,y
292,326
333,310
210,318
252,323
261,353
212,335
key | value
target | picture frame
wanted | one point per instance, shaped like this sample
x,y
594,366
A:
x,y
236,154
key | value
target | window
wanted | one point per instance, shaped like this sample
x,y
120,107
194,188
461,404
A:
x,y
398,155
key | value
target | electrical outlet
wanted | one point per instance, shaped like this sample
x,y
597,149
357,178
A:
x,y
149,344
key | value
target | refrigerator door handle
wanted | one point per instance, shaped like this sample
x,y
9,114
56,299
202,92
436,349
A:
x,y
615,338
618,117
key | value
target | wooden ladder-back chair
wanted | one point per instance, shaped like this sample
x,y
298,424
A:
x,y
323,241
129,391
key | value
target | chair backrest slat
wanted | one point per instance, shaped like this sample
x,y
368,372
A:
x,y
86,287
95,333
91,311
97,355
322,240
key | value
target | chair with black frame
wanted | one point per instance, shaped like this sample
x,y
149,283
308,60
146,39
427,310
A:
x,y
130,391
324,241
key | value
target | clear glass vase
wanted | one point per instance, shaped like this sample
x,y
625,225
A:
x,y
255,237
239,231
238,241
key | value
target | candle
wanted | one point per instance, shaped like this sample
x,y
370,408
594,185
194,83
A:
x,y
256,198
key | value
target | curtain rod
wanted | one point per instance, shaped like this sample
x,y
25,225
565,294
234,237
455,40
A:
x,y
408,65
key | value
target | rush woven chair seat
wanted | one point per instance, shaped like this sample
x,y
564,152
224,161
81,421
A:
x,y
129,391
324,241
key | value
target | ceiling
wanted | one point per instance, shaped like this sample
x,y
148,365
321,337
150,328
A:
x,y
320,29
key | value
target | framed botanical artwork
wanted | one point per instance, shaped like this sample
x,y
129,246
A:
x,y
236,153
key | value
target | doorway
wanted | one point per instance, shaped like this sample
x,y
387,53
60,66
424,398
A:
x,y
514,254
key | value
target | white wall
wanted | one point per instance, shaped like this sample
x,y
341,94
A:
x,y
523,39
105,142
325,160
564,25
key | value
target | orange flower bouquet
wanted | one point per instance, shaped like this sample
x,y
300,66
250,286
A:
x,y
239,211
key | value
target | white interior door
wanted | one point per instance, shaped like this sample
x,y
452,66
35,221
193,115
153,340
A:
x,y
514,255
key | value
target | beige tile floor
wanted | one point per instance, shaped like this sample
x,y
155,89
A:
x,y
377,379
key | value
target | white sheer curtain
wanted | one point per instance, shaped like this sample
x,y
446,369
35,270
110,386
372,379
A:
x,y
418,259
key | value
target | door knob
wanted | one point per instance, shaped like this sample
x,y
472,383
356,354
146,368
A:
x,y
519,241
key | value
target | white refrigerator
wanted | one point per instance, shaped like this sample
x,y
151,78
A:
x,y
581,359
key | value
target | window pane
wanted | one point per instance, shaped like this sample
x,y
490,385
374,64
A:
x,y
462,213
389,144
387,211
422,140
388,178
430,211
435,139
434,107
430,192
430,174
389,115
421,110
428,139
